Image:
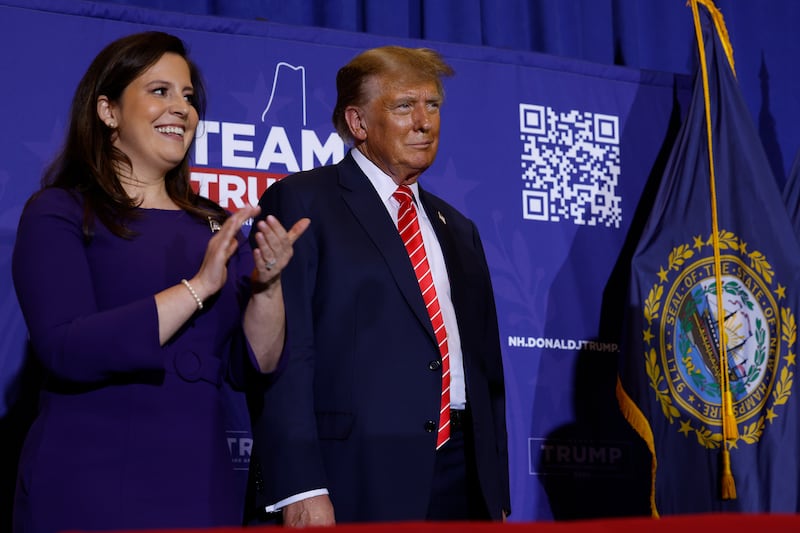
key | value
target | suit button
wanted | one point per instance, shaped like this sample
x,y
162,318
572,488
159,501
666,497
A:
x,y
436,364
430,426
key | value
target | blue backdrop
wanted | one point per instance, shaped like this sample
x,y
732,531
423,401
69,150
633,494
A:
x,y
555,159
642,34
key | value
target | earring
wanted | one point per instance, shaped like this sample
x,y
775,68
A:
x,y
111,124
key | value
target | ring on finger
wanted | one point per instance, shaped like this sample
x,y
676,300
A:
x,y
271,263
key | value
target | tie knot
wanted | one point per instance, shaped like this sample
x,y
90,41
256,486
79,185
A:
x,y
403,194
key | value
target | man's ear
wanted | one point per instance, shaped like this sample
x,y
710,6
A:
x,y
354,117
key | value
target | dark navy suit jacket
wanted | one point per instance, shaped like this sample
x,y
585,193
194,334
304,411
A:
x,y
351,410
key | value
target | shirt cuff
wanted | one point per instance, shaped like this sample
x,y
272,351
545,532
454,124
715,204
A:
x,y
274,508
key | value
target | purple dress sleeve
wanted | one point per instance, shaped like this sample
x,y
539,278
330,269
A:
x,y
75,339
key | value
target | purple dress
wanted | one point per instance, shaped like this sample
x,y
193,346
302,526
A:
x,y
129,434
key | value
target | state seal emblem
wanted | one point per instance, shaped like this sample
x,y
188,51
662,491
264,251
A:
x,y
682,340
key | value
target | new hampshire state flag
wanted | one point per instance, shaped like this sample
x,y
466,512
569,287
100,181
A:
x,y
707,372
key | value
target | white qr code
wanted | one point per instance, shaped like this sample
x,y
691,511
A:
x,y
570,166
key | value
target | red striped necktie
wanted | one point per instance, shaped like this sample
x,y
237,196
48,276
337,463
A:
x,y
408,225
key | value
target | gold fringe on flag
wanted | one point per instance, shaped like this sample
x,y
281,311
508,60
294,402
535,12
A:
x,y
639,422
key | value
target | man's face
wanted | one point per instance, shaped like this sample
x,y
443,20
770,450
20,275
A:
x,y
401,120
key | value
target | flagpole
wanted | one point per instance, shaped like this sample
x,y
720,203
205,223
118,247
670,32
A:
x,y
729,428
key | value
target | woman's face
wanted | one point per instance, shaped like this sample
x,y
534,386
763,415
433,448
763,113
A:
x,y
155,118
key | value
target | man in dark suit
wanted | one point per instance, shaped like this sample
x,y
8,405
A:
x,y
391,405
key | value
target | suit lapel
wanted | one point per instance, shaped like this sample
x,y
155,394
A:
x,y
363,201
453,260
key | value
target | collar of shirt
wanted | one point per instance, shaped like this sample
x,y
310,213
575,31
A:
x,y
384,185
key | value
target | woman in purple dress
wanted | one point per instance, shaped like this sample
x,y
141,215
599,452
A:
x,y
146,307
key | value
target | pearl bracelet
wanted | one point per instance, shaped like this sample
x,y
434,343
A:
x,y
194,295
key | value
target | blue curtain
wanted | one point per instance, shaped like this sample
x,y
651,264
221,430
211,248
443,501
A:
x,y
642,34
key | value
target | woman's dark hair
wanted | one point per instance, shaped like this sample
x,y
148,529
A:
x,y
88,161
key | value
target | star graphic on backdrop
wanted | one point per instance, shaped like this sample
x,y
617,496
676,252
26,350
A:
x,y
287,102
698,242
449,185
789,358
45,148
256,99
663,274
648,335
686,427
